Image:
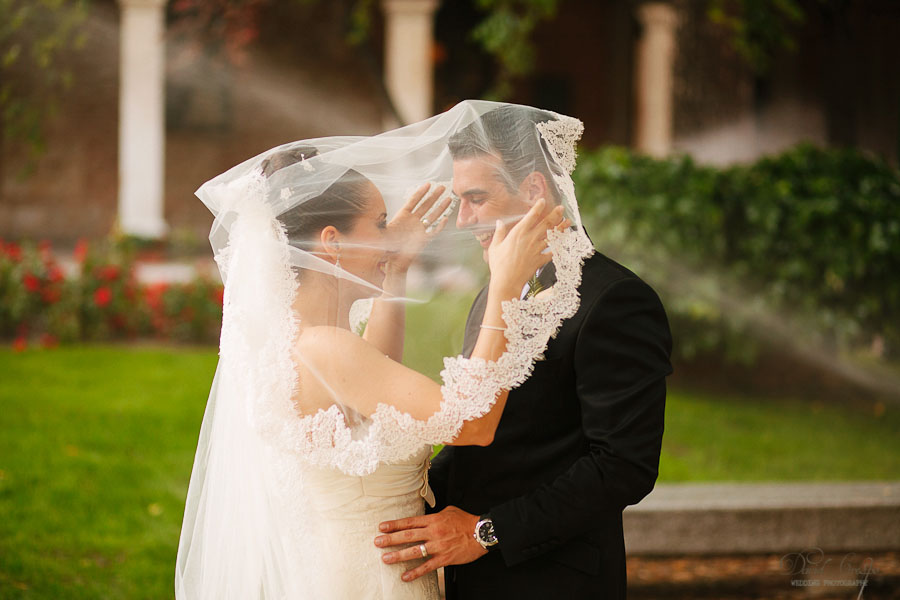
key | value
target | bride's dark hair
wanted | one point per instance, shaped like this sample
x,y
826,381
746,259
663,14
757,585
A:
x,y
339,205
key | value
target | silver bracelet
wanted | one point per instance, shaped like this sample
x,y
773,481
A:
x,y
494,328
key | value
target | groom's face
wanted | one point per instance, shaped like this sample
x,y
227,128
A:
x,y
484,198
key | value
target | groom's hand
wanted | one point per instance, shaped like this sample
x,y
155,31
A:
x,y
448,537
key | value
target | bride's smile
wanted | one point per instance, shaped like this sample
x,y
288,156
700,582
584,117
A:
x,y
365,248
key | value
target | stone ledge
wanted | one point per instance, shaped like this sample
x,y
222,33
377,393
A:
x,y
760,518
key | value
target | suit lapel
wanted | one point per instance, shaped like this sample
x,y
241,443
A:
x,y
473,323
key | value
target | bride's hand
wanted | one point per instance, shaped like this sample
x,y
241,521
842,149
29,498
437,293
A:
x,y
413,226
515,255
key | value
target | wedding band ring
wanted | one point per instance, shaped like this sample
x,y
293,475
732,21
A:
x,y
423,550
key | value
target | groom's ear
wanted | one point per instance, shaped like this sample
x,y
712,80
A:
x,y
534,187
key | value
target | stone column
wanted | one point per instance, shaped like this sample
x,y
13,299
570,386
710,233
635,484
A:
x,y
142,118
653,77
409,35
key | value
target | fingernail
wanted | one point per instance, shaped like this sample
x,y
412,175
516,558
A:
x,y
387,557
406,577
379,541
383,527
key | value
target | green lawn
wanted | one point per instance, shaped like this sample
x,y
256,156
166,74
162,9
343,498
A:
x,y
95,457
714,438
444,318
98,442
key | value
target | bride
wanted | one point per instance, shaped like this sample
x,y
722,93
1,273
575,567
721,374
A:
x,y
314,434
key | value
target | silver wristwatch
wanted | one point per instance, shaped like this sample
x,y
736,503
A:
x,y
484,533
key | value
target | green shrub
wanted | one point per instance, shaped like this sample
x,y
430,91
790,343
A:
x,y
806,243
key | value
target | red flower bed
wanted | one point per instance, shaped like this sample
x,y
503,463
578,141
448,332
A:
x,y
101,300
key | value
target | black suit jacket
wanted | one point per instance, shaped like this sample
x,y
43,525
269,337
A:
x,y
577,443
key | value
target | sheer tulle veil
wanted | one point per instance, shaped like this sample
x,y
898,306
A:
x,y
247,530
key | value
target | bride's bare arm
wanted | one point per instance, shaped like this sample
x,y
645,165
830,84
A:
x,y
387,322
364,378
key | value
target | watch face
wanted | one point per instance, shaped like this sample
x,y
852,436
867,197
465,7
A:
x,y
486,533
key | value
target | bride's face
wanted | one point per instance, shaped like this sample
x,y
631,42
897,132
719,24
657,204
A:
x,y
364,248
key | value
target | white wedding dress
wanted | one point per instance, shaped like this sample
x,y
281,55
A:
x,y
340,514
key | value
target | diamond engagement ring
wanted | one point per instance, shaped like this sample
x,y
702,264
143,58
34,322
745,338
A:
x,y
423,550
425,222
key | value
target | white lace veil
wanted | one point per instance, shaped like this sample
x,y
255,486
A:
x,y
260,432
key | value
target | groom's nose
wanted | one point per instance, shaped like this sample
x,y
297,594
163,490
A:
x,y
466,216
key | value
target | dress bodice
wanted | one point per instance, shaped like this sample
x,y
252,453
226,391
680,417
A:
x,y
338,515
329,488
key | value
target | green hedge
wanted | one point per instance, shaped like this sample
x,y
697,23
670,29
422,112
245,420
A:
x,y
803,246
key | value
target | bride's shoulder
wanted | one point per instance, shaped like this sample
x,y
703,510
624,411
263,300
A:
x,y
324,339
339,357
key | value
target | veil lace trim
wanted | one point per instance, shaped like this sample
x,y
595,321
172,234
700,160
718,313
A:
x,y
561,136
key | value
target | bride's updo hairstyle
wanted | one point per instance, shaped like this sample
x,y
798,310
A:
x,y
509,134
339,205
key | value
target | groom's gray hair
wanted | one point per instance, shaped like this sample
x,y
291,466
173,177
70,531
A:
x,y
510,134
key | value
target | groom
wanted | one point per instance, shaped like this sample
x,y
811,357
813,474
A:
x,y
538,512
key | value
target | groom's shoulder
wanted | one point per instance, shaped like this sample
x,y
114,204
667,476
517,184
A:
x,y
602,276
600,272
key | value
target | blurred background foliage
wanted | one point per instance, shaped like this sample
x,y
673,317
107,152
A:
x,y
802,246
759,28
34,37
